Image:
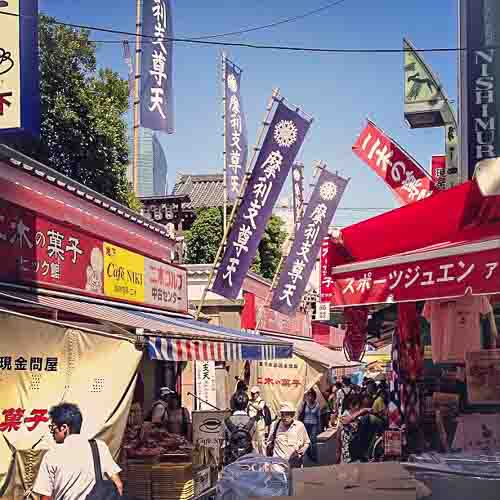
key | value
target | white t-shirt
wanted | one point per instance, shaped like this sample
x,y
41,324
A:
x,y
67,470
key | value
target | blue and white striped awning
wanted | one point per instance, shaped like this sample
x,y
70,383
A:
x,y
168,349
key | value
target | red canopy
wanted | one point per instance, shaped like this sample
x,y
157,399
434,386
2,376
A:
x,y
443,246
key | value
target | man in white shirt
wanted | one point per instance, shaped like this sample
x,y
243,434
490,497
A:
x,y
67,470
288,437
256,407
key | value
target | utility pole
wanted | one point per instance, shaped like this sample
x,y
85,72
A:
x,y
137,97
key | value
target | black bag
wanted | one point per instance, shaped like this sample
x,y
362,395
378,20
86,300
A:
x,y
268,418
272,441
240,440
103,489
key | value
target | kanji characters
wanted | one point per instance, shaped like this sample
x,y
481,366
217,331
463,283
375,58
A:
x,y
21,234
412,185
244,236
234,104
288,293
272,164
262,189
311,232
230,269
13,418
253,212
21,363
36,418
159,67
298,268
74,248
6,363
305,248
51,364
54,248
319,213
156,101
36,363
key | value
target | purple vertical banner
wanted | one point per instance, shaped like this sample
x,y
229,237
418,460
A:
x,y
127,57
298,192
235,131
157,110
313,229
280,146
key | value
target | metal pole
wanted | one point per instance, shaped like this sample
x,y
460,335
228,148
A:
x,y
137,84
319,166
224,97
265,123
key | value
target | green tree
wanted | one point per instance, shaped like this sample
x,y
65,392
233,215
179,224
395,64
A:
x,y
205,235
83,131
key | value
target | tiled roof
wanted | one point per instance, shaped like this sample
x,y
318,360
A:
x,y
203,190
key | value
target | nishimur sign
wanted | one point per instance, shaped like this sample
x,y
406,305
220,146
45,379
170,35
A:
x,y
405,177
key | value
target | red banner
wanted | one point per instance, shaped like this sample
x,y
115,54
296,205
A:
x,y
438,171
421,279
404,176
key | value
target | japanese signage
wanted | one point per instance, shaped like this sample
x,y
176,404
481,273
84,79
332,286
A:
x,y
480,32
326,263
453,172
35,249
208,428
206,388
421,279
438,171
123,274
15,418
156,66
314,227
298,192
483,377
19,83
33,364
405,177
235,131
423,93
281,144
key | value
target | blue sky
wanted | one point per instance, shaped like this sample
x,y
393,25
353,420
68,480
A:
x,y
339,90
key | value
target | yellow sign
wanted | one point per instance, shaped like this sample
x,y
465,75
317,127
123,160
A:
x,y
123,274
10,72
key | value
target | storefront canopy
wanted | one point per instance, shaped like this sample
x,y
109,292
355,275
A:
x,y
323,357
444,246
169,338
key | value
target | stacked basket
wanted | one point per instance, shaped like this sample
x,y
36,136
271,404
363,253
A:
x,y
172,481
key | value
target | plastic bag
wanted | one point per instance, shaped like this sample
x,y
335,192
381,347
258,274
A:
x,y
254,476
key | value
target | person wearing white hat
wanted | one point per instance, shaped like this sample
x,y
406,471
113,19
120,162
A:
x,y
288,438
256,409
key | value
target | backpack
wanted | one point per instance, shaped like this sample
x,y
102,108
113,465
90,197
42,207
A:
x,y
102,489
268,418
240,440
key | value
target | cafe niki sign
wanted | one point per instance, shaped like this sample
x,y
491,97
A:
x,y
35,249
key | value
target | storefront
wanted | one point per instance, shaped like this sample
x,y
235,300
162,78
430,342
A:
x,y
450,263
90,304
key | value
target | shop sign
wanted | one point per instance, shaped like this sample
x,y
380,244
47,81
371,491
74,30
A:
x,y
123,274
208,428
206,387
326,262
443,277
405,177
19,82
35,249
14,419
438,171
483,377
322,311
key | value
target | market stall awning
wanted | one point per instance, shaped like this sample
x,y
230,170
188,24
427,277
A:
x,y
323,357
440,271
169,339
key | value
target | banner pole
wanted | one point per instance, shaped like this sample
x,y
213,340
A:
x,y
224,134
320,165
135,160
275,97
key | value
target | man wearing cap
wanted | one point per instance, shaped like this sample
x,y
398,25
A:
x,y
168,413
256,410
288,437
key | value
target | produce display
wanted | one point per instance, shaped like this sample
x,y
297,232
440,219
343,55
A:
x,y
150,440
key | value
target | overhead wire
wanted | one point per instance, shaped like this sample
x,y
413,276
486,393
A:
x,y
247,45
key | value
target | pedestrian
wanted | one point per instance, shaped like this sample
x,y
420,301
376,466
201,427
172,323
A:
x,y
240,387
351,451
288,437
239,430
171,415
310,416
67,470
257,409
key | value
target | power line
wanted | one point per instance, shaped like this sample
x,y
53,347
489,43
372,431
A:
x,y
250,45
273,24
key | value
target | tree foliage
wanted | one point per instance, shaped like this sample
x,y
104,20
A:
x,y
205,235
83,131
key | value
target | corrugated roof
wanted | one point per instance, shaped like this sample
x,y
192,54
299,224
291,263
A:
x,y
203,190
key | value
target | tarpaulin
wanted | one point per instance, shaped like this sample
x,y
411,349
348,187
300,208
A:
x,y
43,363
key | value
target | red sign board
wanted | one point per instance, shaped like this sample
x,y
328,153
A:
x,y
36,249
438,171
404,176
441,277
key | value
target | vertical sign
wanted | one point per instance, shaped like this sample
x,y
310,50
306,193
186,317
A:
x,y
235,131
19,77
298,192
156,67
438,171
281,145
206,388
479,74
314,227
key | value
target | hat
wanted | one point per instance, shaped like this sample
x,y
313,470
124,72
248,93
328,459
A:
x,y
287,408
255,389
166,390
